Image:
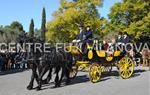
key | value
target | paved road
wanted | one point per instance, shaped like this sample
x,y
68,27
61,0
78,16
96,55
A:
x,y
15,84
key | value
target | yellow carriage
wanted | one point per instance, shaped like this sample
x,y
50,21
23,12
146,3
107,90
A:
x,y
98,62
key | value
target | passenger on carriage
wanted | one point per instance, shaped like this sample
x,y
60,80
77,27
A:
x,y
79,37
85,36
120,38
105,45
109,48
88,35
123,38
112,46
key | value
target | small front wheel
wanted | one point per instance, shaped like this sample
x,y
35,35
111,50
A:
x,y
95,73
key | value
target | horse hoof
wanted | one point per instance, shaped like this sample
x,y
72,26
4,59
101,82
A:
x,y
44,82
38,88
29,87
67,82
57,85
48,80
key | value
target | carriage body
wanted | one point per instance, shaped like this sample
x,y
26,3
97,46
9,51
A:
x,y
97,62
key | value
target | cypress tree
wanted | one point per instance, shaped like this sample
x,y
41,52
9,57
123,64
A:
x,y
31,29
43,27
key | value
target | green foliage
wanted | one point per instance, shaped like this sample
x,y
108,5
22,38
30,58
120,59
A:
x,y
31,29
10,32
130,16
64,26
16,25
37,33
43,25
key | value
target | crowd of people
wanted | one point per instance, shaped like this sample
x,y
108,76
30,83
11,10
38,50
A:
x,y
12,60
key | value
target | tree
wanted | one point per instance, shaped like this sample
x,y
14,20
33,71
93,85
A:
x,y
9,33
16,25
131,16
43,25
31,29
64,26
37,33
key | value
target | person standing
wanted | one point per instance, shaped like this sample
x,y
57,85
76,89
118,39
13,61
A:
x,y
1,63
87,37
80,36
126,38
120,38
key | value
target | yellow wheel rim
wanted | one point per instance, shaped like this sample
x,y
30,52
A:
x,y
126,67
95,73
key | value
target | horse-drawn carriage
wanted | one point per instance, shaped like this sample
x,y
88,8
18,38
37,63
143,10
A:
x,y
97,61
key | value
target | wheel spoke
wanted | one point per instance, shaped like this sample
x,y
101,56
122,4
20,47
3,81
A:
x,y
126,67
95,72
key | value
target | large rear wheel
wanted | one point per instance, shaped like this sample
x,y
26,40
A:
x,y
126,67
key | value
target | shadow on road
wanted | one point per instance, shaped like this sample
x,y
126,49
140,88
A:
x,y
76,80
116,73
79,79
138,72
84,79
11,72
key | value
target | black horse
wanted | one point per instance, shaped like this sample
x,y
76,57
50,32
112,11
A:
x,y
57,60
47,61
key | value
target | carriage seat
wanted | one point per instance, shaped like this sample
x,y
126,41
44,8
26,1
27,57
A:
x,y
108,53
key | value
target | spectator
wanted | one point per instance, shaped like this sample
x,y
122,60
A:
x,y
105,45
1,63
145,56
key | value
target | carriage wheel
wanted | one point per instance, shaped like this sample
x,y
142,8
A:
x,y
73,72
126,67
95,72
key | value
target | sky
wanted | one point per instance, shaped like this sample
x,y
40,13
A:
x,y
24,10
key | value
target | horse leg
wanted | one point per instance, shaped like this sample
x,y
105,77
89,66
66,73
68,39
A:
x,y
67,73
61,78
34,75
41,74
49,75
57,77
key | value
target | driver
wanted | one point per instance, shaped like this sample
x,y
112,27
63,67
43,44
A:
x,y
85,36
80,36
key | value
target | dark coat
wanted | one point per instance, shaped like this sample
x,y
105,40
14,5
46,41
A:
x,y
120,39
80,35
126,40
88,35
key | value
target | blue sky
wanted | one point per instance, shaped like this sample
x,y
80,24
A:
x,y
24,10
